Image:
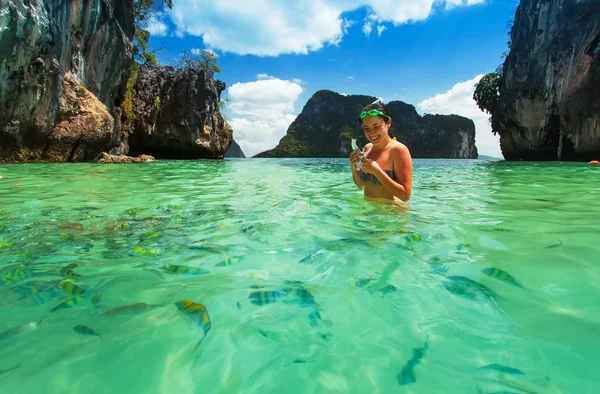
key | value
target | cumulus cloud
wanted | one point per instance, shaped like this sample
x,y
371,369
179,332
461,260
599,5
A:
x,y
459,101
273,27
157,26
262,112
457,3
198,51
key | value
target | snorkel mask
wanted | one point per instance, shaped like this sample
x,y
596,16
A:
x,y
363,114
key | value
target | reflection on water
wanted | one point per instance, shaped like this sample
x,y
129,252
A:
x,y
262,275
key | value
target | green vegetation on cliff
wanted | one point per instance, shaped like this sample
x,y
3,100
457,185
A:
x,y
145,12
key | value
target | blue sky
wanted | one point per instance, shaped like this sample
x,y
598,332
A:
x,y
274,55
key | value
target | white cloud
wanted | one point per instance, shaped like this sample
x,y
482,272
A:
x,y
350,77
157,26
198,51
262,76
274,27
459,101
262,112
457,3
367,28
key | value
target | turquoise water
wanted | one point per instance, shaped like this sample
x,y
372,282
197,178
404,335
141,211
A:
x,y
308,287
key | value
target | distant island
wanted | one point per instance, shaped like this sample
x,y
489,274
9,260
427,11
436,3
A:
x,y
327,122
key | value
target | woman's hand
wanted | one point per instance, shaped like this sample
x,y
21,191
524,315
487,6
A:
x,y
369,166
355,158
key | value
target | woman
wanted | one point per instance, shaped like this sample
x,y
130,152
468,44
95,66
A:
x,y
386,166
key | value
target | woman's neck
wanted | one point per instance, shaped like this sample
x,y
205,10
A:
x,y
383,143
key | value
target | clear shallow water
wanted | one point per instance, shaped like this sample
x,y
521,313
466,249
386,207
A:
x,y
357,296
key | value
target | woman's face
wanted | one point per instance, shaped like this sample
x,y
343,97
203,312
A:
x,y
375,128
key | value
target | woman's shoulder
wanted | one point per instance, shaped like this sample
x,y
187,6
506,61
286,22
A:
x,y
399,148
367,147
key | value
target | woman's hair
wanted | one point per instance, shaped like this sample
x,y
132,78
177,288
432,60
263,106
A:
x,y
378,104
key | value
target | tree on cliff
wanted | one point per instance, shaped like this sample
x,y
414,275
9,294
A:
x,y
145,14
199,58
487,91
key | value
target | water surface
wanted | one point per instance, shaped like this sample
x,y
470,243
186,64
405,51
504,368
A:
x,y
487,281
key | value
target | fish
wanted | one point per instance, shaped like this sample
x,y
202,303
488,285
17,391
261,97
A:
x,y
197,311
146,252
554,245
387,289
185,270
295,294
502,275
363,282
468,288
85,330
20,330
265,297
229,261
67,271
412,236
501,368
15,275
70,288
313,257
132,308
68,304
407,374
96,300
3,371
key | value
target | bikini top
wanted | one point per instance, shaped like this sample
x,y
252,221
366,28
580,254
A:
x,y
373,179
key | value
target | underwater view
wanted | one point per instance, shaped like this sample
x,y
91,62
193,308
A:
x,y
264,275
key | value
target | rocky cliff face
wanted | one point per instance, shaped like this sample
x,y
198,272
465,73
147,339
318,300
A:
x,y
235,150
549,105
177,114
61,64
327,122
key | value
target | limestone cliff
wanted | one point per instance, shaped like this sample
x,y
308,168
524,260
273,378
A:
x,y
549,104
177,114
61,64
66,92
235,151
327,122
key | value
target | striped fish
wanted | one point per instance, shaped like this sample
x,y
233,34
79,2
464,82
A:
x,y
265,297
229,261
502,275
185,270
85,330
197,311
313,257
468,288
68,304
70,288
67,271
